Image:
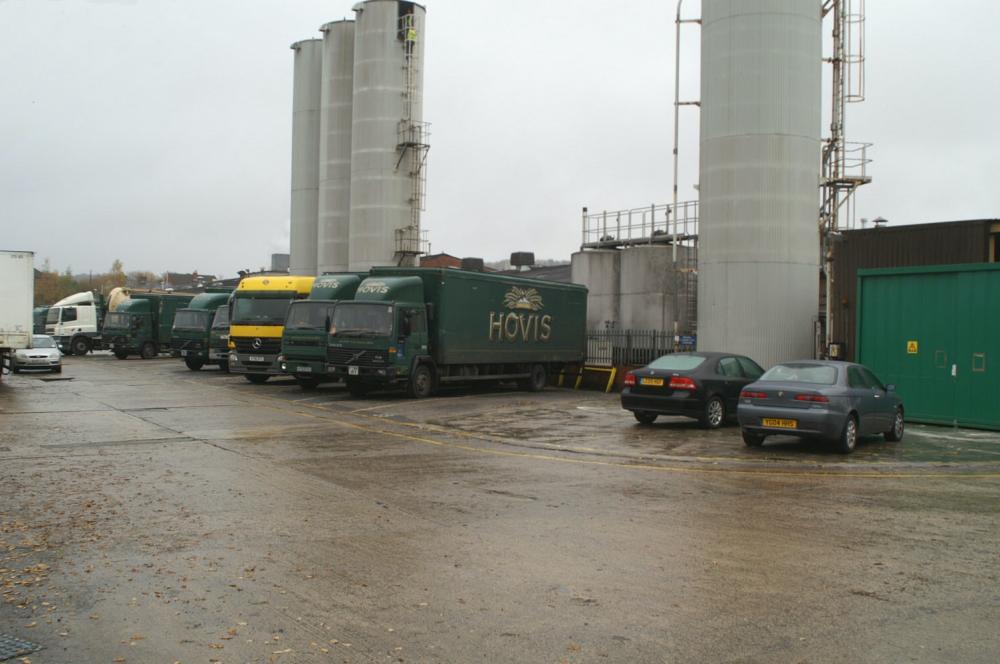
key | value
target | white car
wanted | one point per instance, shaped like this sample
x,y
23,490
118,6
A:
x,y
43,355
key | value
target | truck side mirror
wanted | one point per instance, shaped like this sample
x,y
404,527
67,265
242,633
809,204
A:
x,y
405,325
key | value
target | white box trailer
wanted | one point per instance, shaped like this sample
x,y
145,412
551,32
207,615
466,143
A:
x,y
17,298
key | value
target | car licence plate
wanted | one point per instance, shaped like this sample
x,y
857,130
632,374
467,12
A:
x,y
352,371
303,369
654,382
779,423
255,358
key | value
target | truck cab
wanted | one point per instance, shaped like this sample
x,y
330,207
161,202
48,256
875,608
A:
x,y
129,330
218,338
192,328
75,322
378,338
257,321
303,343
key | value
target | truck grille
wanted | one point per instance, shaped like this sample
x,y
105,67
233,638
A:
x,y
362,358
268,345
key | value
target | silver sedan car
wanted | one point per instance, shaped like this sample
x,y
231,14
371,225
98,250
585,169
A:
x,y
43,355
838,401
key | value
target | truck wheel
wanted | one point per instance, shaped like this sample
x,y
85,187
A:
x,y
356,388
307,383
79,346
147,351
224,366
256,379
421,382
120,354
193,364
537,379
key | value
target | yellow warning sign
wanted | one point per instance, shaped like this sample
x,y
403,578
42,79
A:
x,y
912,347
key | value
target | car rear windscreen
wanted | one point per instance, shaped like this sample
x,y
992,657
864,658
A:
x,y
802,373
677,362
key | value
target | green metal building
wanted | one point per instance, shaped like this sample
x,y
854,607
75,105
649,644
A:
x,y
934,332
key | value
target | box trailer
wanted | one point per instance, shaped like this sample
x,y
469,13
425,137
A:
x,y
423,327
17,298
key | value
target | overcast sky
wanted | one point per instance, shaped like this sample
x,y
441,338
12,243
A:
x,y
158,131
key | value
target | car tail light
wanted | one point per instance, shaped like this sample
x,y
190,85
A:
x,y
748,394
630,379
682,383
812,398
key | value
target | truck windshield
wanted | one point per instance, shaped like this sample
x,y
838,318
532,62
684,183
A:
x,y
116,320
221,320
191,319
360,320
260,311
308,315
52,316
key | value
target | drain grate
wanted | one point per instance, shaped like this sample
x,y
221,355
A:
x,y
11,647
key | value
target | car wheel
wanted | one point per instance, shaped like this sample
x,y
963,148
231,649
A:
x,y
307,383
751,439
79,346
895,434
715,413
120,354
147,351
57,370
256,379
849,436
644,416
192,364
356,388
421,382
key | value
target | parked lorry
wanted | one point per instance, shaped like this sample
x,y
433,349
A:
x,y
303,343
193,328
17,296
143,324
76,321
424,327
38,315
218,338
257,321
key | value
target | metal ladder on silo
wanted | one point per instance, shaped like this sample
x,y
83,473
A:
x,y
413,135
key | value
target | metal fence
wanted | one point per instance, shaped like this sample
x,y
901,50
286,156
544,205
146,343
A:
x,y
608,348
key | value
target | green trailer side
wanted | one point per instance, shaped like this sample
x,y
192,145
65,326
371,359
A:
x,y
191,333
303,341
935,333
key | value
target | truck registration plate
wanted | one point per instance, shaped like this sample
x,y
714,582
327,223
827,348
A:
x,y
304,369
184,353
255,358
352,371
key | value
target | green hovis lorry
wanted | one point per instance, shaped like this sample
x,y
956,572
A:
x,y
193,328
303,342
218,338
143,323
424,327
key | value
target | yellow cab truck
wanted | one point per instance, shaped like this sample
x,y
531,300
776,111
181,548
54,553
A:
x,y
257,321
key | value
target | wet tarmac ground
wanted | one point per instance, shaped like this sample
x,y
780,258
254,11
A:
x,y
153,514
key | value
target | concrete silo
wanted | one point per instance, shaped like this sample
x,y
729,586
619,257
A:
x,y
336,111
305,155
388,141
758,259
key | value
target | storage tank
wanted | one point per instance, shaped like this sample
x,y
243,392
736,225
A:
x,y
388,114
653,288
336,111
759,177
599,270
305,155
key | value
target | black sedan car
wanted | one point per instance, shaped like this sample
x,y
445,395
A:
x,y
839,401
705,386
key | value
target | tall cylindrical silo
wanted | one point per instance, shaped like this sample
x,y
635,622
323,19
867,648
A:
x,y
336,111
758,258
388,112
305,155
